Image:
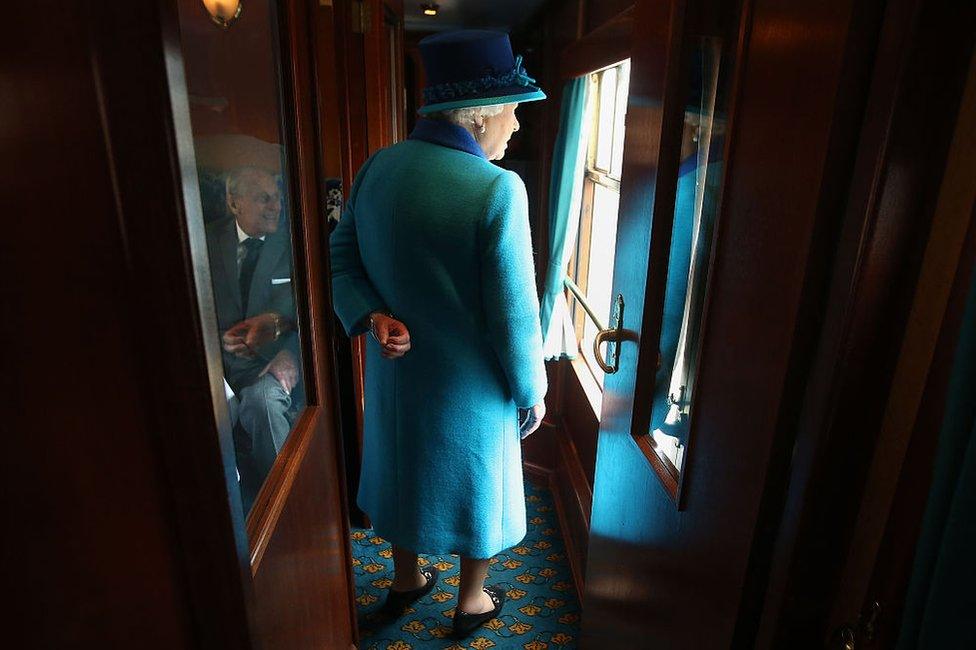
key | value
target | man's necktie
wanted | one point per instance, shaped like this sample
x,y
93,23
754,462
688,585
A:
x,y
252,249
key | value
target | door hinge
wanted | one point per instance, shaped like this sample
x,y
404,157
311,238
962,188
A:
x,y
360,11
868,622
843,638
854,637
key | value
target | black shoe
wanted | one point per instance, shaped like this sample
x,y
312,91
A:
x,y
397,601
465,624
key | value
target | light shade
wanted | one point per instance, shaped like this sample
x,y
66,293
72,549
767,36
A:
x,y
429,9
224,12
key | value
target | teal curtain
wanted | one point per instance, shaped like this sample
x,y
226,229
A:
x,y
564,193
941,599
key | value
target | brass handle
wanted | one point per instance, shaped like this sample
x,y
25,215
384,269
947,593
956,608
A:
x,y
614,333
601,336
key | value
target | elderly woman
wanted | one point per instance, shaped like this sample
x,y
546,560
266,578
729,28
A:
x,y
433,256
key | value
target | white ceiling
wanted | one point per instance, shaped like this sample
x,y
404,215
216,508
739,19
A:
x,y
504,15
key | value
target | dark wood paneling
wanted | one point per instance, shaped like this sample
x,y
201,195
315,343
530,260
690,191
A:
x,y
923,51
894,561
113,476
580,423
596,13
574,498
608,44
350,62
330,93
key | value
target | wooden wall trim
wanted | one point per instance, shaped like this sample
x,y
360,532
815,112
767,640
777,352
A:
x,y
121,532
572,498
301,602
607,44
536,473
270,501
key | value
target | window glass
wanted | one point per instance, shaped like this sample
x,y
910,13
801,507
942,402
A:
x,y
616,165
599,279
696,205
605,113
591,267
233,81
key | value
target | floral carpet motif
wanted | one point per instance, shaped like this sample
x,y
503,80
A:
x,y
541,612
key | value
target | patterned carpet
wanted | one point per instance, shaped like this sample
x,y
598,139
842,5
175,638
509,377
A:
x,y
541,613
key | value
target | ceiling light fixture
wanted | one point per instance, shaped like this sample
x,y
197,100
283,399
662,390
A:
x,y
224,12
430,9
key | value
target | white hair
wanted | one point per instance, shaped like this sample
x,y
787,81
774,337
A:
x,y
236,179
468,118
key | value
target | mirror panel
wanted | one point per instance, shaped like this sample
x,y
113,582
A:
x,y
235,97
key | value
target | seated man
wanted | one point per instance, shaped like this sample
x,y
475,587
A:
x,y
250,265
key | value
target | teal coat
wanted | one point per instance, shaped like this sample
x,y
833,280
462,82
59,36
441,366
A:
x,y
439,236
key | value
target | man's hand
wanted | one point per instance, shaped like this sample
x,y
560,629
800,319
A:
x,y
392,335
533,418
247,336
283,368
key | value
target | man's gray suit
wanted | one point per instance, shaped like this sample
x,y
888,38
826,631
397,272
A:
x,y
264,404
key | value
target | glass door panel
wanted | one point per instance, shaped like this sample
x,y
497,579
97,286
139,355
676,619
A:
x,y
695,211
234,85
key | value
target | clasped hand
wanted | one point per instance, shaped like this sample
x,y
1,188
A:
x,y
246,337
392,335
530,419
284,368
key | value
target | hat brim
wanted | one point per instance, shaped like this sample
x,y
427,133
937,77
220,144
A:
x,y
530,94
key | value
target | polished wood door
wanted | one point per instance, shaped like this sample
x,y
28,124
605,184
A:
x,y
297,528
127,524
678,548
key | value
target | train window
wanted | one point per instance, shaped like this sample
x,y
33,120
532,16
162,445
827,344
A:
x,y
591,265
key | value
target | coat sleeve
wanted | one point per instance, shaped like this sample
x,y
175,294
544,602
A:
x,y
353,295
509,296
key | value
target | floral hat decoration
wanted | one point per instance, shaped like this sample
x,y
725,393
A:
x,y
473,67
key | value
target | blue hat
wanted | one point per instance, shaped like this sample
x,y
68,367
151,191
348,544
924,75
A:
x,y
473,67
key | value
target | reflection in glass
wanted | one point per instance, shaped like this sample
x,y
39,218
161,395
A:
x,y
235,110
696,202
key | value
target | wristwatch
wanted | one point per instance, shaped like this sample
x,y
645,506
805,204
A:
x,y
378,311
277,325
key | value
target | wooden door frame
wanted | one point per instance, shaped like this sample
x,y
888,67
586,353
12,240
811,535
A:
x,y
362,86
293,510
379,75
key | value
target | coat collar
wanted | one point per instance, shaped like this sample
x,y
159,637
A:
x,y
447,135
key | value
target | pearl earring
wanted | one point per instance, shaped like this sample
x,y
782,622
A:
x,y
482,128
